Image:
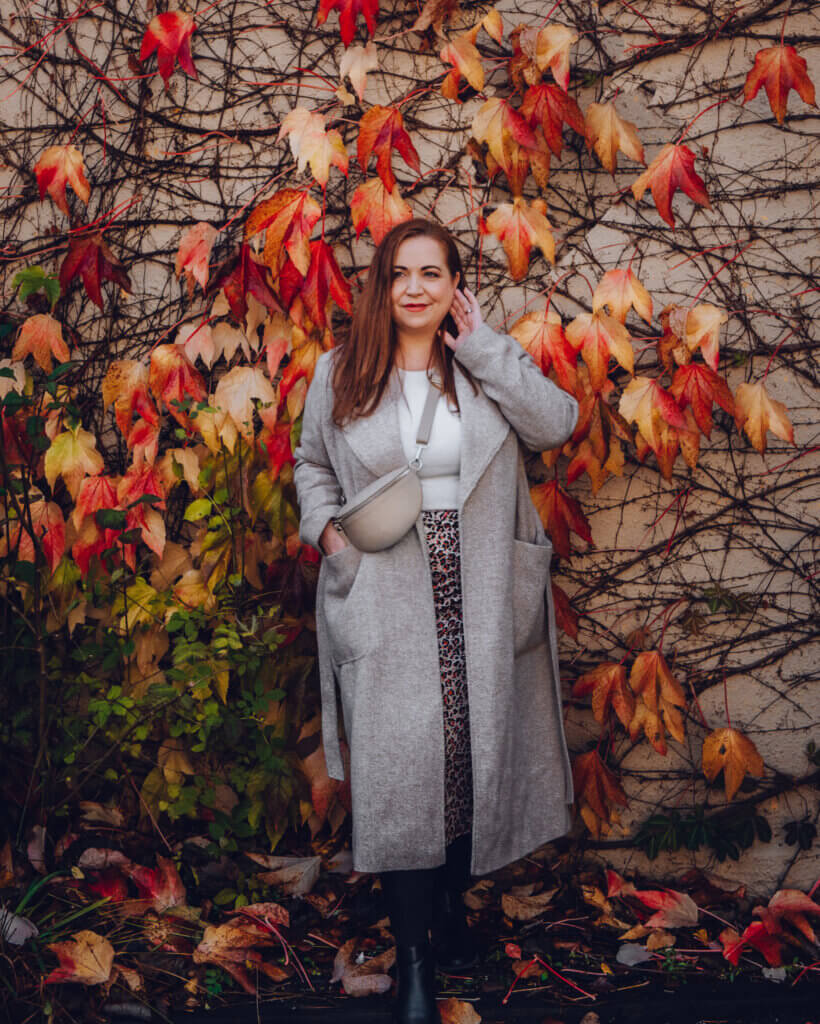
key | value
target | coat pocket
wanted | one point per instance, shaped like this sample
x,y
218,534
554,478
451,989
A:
x,y
347,629
531,573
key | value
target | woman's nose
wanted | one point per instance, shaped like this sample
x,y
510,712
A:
x,y
413,284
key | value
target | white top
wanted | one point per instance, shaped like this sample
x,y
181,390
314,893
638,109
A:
x,y
441,459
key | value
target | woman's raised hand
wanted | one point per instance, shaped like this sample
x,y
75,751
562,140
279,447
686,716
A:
x,y
467,314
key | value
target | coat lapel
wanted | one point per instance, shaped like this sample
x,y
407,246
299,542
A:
x,y
376,439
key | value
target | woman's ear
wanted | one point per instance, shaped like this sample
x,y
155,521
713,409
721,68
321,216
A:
x,y
457,278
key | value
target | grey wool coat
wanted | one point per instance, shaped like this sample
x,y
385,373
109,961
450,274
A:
x,y
376,628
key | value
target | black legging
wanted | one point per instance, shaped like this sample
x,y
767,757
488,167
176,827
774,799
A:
x,y
409,893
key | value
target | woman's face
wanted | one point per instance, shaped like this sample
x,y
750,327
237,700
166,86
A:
x,y
423,288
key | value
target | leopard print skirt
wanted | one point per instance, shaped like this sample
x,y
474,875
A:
x,y
442,534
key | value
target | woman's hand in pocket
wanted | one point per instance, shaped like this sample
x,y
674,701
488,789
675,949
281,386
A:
x,y
331,540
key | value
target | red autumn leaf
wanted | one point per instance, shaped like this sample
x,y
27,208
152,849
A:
x,y
170,35
373,207
381,130
756,413
193,255
161,886
60,166
349,10
519,227
542,335
607,684
243,276
790,905
108,884
171,378
288,219
90,257
95,492
600,337
754,935
560,513
49,526
674,909
645,402
275,441
672,169
552,108
779,69
699,386
324,279
565,615
126,385
42,337
504,130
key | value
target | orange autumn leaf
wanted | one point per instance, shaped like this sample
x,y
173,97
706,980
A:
x,y
60,166
542,335
552,44
170,35
324,280
565,615
172,378
621,290
600,337
672,169
126,385
606,132
597,789
645,402
193,255
41,336
519,227
701,329
700,387
49,525
560,513
381,130
598,468
376,209
310,143
779,69
86,958
728,750
789,905
349,10
461,52
660,693
551,107
503,129
242,276
674,909
72,455
756,413
607,684
234,394
288,219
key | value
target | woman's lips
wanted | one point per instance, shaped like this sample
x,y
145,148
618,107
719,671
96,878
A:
x,y
416,305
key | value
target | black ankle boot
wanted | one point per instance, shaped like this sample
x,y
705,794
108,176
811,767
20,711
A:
x,y
415,985
454,941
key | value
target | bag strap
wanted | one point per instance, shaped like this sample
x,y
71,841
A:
x,y
426,423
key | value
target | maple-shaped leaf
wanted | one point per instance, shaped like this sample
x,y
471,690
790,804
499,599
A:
x,y
60,166
607,684
311,143
519,226
41,336
552,44
85,958
542,335
729,751
560,513
461,52
645,402
503,128
381,130
170,35
779,69
172,378
95,492
674,909
161,885
790,905
49,526
755,413
552,108
288,219
597,467
672,169
90,257
621,290
435,13
355,64
701,329
607,133
661,694
242,277
597,788
274,441
565,615
376,209
234,394
349,10
193,255
323,280
699,387
600,337
756,934
72,455
126,385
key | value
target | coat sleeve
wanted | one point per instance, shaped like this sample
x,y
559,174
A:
x,y
317,488
542,414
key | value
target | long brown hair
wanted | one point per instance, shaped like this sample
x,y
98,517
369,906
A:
x,y
366,350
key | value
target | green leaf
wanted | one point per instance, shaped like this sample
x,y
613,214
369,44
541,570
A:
x,y
197,510
31,279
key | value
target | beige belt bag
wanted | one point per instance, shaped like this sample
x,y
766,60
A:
x,y
380,514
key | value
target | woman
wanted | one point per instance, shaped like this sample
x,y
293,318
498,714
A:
x,y
443,645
